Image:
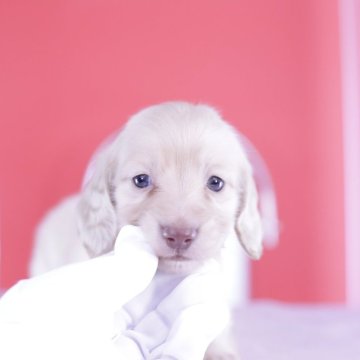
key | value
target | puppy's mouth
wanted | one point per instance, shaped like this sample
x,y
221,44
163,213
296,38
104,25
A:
x,y
178,264
176,257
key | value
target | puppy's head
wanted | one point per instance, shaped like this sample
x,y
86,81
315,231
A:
x,y
179,172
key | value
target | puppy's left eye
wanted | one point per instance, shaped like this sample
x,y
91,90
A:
x,y
142,181
215,183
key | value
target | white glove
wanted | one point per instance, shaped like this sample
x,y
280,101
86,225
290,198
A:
x,y
70,312
183,324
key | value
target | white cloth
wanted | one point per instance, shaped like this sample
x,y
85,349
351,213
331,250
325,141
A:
x,y
117,306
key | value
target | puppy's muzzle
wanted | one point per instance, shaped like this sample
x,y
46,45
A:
x,y
178,239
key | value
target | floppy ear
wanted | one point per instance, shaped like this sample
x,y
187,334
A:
x,y
97,222
248,223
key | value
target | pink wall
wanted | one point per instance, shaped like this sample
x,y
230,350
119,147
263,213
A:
x,y
73,71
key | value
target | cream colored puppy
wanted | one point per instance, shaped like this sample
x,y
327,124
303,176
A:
x,y
179,172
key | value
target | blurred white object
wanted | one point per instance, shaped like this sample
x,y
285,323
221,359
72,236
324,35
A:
x,y
349,19
114,306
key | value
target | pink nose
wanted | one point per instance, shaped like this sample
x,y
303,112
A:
x,y
178,238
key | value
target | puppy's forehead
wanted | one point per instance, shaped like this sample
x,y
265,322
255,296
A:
x,y
179,130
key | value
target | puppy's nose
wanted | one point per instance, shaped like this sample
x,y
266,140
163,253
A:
x,y
178,238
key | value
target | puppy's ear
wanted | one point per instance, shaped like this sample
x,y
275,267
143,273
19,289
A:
x,y
248,223
97,222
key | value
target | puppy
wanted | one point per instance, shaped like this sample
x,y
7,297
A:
x,y
179,172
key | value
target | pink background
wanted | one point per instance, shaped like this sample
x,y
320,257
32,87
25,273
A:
x,y
73,71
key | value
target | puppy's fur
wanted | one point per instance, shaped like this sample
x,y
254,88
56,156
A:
x,y
180,146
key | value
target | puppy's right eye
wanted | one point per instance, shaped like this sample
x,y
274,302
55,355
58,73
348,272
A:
x,y
142,181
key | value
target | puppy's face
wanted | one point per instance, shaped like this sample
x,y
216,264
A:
x,y
178,171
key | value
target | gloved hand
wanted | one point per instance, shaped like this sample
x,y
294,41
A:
x,y
184,322
87,309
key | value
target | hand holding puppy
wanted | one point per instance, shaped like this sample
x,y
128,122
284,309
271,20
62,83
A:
x,y
87,309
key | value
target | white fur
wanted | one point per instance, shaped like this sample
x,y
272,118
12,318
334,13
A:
x,y
57,240
180,146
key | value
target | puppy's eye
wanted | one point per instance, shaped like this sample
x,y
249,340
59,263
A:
x,y
142,181
215,183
